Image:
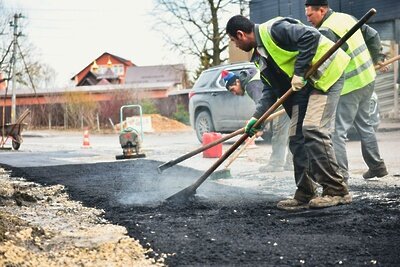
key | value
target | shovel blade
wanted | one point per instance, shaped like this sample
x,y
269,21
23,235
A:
x,y
164,166
182,197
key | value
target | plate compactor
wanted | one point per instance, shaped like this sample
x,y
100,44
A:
x,y
130,138
131,144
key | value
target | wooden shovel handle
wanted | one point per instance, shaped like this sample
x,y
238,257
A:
x,y
190,154
249,141
387,62
232,159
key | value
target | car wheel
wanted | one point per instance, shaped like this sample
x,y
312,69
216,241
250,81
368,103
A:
x,y
203,124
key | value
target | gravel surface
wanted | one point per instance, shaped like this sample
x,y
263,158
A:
x,y
41,226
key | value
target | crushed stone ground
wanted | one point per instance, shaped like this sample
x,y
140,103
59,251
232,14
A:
x,y
41,226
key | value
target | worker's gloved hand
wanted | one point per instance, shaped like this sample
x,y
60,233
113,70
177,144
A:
x,y
382,67
249,129
298,82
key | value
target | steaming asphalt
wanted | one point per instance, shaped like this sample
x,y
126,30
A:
x,y
53,148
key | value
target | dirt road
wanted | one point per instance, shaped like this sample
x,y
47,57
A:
x,y
232,221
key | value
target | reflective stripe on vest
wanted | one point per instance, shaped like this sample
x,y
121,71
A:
x,y
360,71
325,76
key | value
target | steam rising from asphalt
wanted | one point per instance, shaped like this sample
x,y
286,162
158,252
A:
x,y
144,186
149,188
154,190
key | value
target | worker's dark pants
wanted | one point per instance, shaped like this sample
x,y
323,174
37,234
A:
x,y
353,109
312,121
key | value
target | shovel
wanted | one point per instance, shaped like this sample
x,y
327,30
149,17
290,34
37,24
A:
x,y
188,193
225,173
173,162
387,62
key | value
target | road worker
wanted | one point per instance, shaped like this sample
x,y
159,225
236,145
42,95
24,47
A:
x,y
249,82
284,49
354,103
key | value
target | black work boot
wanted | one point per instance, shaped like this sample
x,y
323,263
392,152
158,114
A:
x,y
378,172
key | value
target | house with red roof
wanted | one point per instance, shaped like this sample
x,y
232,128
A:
x,y
106,69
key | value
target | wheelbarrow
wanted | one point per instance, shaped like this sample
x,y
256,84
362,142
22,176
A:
x,y
13,131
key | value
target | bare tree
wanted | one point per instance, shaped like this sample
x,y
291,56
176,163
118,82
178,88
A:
x,y
197,26
29,69
30,72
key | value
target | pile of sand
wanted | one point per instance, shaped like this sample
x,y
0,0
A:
x,y
164,124
158,124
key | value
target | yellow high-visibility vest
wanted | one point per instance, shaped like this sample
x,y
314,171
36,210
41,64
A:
x,y
360,71
326,74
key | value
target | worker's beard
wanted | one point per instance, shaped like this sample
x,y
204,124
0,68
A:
x,y
246,47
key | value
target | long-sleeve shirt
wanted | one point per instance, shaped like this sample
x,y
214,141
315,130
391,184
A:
x,y
291,35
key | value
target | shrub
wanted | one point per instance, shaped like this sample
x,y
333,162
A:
x,y
148,107
181,114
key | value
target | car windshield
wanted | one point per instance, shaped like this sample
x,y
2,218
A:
x,y
204,80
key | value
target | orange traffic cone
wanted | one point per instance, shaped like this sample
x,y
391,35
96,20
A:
x,y
86,143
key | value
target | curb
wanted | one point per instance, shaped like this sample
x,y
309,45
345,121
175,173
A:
x,y
388,129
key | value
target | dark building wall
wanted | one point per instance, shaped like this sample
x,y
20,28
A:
x,y
386,21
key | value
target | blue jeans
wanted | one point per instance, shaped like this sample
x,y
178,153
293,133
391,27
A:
x,y
353,109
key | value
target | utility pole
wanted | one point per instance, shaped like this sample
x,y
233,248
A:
x,y
13,61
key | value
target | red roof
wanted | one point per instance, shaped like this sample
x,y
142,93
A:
x,y
104,56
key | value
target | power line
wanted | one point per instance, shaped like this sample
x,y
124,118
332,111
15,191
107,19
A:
x,y
51,9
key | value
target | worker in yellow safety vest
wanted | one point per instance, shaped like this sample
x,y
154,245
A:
x,y
364,47
284,49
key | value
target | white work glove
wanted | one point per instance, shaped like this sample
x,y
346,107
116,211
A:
x,y
298,82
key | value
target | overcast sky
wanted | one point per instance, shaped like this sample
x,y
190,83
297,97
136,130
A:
x,y
69,34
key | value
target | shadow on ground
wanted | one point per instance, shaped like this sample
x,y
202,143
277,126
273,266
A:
x,y
227,225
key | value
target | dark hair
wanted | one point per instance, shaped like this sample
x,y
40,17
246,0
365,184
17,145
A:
x,y
316,8
316,3
239,23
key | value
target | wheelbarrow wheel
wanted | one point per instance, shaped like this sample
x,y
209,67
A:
x,y
15,145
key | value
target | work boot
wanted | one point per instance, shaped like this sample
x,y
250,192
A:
x,y
379,172
329,201
271,168
291,204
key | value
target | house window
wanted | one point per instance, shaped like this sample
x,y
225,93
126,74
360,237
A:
x,y
117,69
